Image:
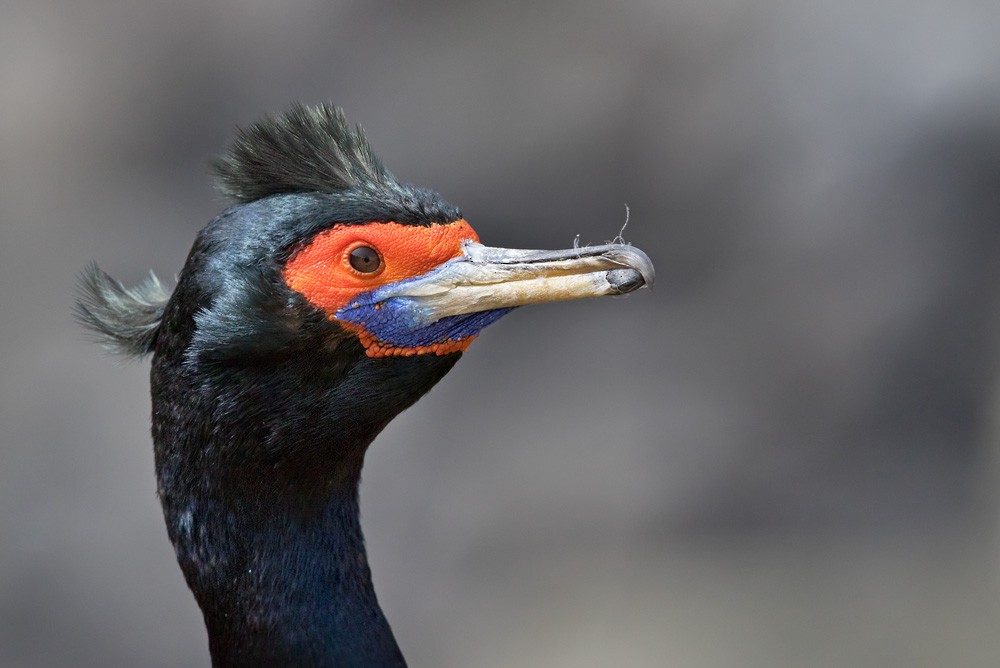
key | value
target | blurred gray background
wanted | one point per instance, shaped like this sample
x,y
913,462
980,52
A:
x,y
785,455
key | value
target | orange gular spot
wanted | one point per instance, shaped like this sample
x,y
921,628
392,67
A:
x,y
376,348
322,272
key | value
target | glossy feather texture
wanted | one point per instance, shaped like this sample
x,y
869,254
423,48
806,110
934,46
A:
x,y
276,364
263,407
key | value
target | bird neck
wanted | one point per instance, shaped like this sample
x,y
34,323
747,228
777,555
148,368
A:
x,y
296,590
259,448
258,469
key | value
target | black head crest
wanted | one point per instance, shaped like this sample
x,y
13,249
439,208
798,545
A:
x,y
306,149
124,320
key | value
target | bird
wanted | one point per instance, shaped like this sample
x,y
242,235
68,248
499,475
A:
x,y
325,300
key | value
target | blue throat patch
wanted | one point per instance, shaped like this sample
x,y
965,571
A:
x,y
400,321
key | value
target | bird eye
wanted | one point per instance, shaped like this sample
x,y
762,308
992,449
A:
x,y
365,259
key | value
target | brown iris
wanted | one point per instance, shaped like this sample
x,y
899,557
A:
x,y
365,259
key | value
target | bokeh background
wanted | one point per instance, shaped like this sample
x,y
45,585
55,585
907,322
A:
x,y
785,455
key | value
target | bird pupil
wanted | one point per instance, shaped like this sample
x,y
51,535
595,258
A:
x,y
365,259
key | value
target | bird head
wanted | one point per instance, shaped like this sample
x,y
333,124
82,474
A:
x,y
327,299
329,293
323,235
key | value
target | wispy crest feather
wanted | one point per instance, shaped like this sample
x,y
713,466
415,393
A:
x,y
123,320
306,149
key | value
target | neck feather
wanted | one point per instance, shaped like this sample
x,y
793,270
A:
x,y
292,586
258,470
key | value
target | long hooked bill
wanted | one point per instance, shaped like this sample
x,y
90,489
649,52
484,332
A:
x,y
485,278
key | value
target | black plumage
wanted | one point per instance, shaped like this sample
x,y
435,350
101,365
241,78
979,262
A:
x,y
263,405
307,149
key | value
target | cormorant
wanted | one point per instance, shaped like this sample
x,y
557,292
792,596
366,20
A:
x,y
326,300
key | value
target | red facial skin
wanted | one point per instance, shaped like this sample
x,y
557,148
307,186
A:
x,y
322,273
